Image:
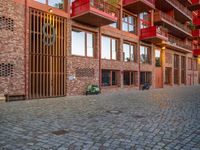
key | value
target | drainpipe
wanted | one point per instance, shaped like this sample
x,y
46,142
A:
x,y
25,47
100,57
139,67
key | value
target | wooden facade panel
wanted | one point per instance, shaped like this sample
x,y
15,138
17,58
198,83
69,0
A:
x,y
47,55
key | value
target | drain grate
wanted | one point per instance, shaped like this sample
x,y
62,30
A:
x,y
116,112
60,132
138,116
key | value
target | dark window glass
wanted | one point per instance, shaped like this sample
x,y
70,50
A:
x,y
109,78
130,77
168,73
176,69
105,78
145,77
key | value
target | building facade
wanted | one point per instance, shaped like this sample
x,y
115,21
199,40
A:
x,y
56,48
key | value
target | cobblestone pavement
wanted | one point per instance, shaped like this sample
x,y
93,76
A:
x,y
157,119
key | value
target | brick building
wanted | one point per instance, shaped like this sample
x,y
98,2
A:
x,y
51,48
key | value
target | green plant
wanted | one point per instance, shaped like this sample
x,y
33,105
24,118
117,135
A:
x,y
191,26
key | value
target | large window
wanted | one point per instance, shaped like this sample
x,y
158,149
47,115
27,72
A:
x,y
108,48
157,57
129,23
129,52
145,77
145,20
183,69
176,69
195,64
168,75
145,55
130,78
109,78
82,43
54,3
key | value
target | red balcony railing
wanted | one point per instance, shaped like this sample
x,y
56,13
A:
x,y
196,33
153,34
138,6
196,21
196,52
90,11
194,2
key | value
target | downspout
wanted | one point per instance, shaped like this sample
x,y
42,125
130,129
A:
x,y
139,67
25,47
100,58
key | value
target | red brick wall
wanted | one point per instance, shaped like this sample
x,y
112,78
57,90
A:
x,y
12,48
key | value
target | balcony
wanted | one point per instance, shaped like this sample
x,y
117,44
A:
x,y
181,13
196,33
195,5
178,45
94,13
196,52
153,35
174,27
186,2
196,21
138,6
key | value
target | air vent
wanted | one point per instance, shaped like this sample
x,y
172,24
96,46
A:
x,y
6,23
6,69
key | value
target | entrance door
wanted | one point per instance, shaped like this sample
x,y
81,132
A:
x,y
47,55
158,70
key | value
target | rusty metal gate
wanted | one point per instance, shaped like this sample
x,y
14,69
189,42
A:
x,y
47,55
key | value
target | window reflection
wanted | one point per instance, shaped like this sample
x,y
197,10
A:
x,y
82,43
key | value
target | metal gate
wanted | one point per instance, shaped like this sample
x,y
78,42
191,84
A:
x,y
47,55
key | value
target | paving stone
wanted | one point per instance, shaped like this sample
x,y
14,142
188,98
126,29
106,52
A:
x,y
155,119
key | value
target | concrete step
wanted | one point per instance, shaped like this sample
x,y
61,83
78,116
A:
x,y
2,98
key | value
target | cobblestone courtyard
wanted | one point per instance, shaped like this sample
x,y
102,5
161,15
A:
x,y
156,119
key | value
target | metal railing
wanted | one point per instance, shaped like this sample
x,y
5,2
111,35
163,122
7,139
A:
x,y
152,31
101,5
170,19
181,7
128,1
177,42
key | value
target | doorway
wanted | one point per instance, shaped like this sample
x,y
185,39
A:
x,y
47,55
158,70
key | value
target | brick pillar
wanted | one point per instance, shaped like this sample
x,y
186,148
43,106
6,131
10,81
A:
x,y
172,69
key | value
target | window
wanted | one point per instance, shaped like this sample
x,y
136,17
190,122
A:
x,y
82,43
158,56
145,55
168,73
145,77
108,48
176,69
190,63
54,3
195,64
129,23
183,70
130,78
145,20
129,52
109,78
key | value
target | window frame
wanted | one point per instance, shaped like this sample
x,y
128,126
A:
x,y
148,54
65,4
111,48
134,23
146,73
133,74
111,78
135,60
143,21
86,43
